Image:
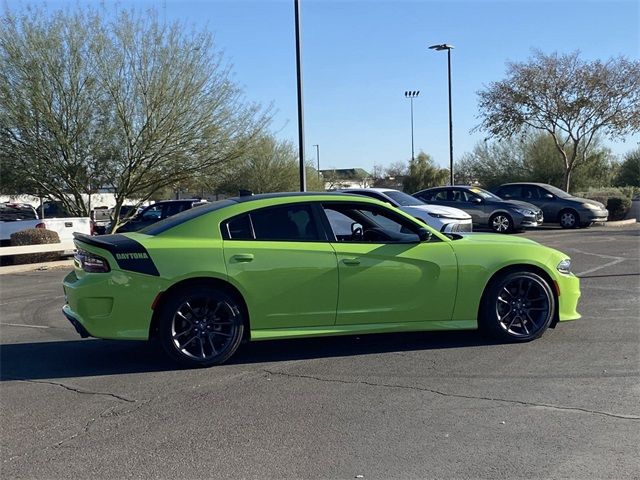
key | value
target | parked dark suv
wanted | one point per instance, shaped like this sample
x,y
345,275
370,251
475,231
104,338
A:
x,y
557,205
158,211
486,209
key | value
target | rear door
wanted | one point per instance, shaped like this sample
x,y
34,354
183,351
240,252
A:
x,y
283,264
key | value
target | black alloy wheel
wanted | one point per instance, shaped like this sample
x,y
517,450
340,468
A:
x,y
518,307
201,326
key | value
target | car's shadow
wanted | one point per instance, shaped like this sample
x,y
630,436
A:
x,y
84,358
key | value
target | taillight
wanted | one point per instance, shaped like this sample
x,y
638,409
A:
x,y
91,263
41,225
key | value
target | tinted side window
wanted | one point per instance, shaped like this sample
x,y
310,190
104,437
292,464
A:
x,y
154,212
173,208
510,191
442,196
286,223
289,222
427,196
240,228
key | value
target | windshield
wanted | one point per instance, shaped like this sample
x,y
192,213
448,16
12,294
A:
x,y
557,192
484,193
402,199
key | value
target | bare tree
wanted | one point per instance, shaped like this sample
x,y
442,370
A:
x,y
570,99
133,104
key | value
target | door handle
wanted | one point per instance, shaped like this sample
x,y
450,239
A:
x,y
351,261
242,258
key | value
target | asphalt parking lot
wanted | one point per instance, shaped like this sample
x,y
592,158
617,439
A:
x,y
425,405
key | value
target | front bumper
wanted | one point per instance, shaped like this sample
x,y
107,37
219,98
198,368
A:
x,y
532,220
568,287
588,215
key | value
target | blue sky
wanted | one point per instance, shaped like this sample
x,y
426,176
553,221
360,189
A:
x,y
359,57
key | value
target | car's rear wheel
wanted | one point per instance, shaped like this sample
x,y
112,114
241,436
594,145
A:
x,y
201,326
569,219
517,307
501,223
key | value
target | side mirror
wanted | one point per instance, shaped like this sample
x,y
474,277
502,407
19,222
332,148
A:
x,y
549,196
476,200
424,234
356,230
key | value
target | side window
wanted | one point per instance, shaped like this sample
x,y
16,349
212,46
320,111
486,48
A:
x,y
441,196
239,228
510,191
286,223
529,193
290,222
458,196
369,224
152,213
173,208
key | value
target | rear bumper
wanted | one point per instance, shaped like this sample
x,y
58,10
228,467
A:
x,y
115,305
66,311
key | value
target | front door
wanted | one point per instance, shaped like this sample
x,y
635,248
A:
x,y
386,274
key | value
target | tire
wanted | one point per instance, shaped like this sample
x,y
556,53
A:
x,y
569,219
501,223
517,307
200,326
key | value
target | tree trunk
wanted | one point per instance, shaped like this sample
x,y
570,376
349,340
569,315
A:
x,y
566,181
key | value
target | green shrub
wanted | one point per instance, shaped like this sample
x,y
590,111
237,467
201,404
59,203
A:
x,y
618,207
35,236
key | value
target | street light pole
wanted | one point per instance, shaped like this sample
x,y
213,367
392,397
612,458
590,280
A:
x,y
303,180
411,95
448,48
318,159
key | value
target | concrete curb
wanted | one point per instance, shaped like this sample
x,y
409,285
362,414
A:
x,y
31,267
617,223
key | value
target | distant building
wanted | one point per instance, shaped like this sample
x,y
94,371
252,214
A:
x,y
346,178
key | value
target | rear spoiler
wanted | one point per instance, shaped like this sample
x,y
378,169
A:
x,y
129,254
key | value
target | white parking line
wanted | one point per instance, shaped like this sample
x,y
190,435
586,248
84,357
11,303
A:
x,y
615,260
22,325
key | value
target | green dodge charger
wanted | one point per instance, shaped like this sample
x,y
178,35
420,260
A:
x,y
299,265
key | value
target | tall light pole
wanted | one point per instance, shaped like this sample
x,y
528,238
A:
x,y
303,180
318,159
448,48
411,95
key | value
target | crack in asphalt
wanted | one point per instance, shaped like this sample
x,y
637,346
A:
x,y
74,389
109,412
457,395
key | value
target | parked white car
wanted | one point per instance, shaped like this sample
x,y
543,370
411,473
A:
x,y
443,219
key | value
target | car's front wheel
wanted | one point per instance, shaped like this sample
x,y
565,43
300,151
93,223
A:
x,y
569,219
517,307
200,326
501,223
